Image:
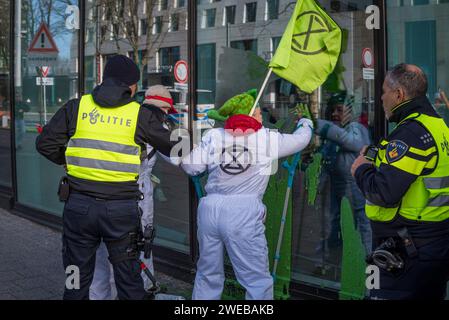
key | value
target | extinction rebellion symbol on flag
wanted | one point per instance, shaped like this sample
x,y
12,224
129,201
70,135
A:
x,y
310,47
308,42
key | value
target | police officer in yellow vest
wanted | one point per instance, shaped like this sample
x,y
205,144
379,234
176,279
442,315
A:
x,y
100,138
407,192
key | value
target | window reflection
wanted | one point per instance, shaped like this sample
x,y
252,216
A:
x,y
46,78
419,38
234,57
5,107
156,41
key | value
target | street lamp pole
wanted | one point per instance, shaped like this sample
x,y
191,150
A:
x,y
18,45
97,44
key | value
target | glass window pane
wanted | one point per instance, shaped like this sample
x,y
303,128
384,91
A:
x,y
156,55
48,48
210,18
419,37
157,25
174,21
245,45
345,103
273,9
251,12
206,73
5,98
233,64
163,4
420,2
230,14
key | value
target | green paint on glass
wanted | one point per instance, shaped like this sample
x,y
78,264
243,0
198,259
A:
x,y
232,289
353,262
312,175
274,200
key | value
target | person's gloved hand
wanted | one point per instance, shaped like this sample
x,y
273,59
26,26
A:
x,y
303,112
304,122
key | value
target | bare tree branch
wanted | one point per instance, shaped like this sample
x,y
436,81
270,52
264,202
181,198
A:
x,y
134,30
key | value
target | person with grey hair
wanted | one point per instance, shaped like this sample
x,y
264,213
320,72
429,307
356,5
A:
x,y
405,181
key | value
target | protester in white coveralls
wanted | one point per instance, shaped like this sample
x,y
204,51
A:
x,y
103,286
238,160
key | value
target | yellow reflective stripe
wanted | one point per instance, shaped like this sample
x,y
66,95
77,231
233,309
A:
x,y
423,153
104,165
103,145
102,155
408,164
100,174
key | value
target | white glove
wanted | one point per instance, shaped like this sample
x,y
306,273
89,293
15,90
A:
x,y
304,122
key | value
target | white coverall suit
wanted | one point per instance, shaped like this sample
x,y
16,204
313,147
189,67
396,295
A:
x,y
103,284
232,214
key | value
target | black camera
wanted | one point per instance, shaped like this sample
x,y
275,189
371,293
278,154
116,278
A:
x,y
371,153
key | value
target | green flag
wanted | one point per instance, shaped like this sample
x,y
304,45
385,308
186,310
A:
x,y
309,48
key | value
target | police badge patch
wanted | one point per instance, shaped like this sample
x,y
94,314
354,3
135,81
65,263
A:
x,y
396,150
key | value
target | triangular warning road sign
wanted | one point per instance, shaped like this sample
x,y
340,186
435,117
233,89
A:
x,y
43,41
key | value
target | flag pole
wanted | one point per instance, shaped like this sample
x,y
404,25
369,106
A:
x,y
270,70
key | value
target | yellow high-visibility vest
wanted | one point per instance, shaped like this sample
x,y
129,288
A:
x,y
427,199
103,146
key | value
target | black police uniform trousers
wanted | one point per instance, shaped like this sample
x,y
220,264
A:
x,y
87,221
423,278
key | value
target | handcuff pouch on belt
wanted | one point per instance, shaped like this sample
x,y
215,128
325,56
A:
x,y
388,255
137,242
64,189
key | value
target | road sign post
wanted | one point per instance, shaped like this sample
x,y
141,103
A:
x,y
43,81
45,102
44,71
43,50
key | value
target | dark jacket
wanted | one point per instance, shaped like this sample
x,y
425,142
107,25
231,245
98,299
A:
x,y
387,185
51,143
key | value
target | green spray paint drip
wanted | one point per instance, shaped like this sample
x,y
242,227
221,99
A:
x,y
353,265
313,178
274,201
232,289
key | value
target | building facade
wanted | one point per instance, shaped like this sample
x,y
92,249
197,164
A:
x,y
226,46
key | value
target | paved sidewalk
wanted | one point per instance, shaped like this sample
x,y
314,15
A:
x,y
31,263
